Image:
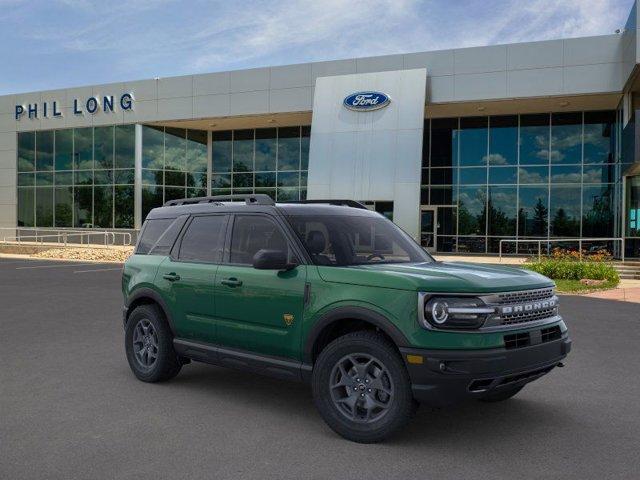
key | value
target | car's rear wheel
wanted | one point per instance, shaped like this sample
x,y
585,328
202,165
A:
x,y
149,345
361,387
501,395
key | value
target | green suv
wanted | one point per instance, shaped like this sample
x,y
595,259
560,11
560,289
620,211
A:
x,y
332,294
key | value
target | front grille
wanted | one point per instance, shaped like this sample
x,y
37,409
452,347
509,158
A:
x,y
524,317
551,333
517,340
525,296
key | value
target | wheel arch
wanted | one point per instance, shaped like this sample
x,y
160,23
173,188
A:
x,y
148,296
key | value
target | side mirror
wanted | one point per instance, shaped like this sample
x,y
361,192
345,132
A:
x,y
271,260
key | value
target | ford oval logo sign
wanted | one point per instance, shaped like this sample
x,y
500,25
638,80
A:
x,y
366,101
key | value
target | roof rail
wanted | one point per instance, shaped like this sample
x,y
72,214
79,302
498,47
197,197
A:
x,y
257,199
343,203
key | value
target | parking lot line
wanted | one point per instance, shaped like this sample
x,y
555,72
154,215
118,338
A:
x,y
56,266
98,270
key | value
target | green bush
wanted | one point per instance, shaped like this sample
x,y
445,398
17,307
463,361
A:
x,y
572,270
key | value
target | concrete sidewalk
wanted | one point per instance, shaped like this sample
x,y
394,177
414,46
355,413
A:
x,y
627,291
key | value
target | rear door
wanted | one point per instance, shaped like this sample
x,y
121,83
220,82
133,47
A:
x,y
259,310
187,277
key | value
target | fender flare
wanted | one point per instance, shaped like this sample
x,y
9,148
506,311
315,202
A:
x,y
351,313
146,292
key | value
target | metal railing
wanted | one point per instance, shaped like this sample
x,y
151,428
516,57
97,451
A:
x,y
81,238
548,241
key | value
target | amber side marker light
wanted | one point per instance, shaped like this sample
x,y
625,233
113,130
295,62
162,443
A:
x,y
415,359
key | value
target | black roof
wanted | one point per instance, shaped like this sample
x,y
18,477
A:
x,y
257,203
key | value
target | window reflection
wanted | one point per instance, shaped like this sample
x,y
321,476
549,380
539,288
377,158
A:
x,y
534,139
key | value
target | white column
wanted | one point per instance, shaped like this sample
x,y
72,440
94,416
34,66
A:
x,y
137,189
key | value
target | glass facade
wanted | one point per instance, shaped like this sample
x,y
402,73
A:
x,y
273,161
521,177
81,177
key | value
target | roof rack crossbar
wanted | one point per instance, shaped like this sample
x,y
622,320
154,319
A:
x,y
339,202
256,199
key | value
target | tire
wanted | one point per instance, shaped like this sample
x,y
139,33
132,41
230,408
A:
x,y
148,329
367,409
501,395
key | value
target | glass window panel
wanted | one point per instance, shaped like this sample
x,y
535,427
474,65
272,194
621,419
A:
x,y
243,150
125,149
564,211
204,239
288,179
44,179
605,173
472,244
152,177
472,210
125,176
83,206
64,150
268,191
221,151
151,198
289,148
196,150
124,206
304,147
533,212
174,193
424,177
447,221
175,149
82,148
44,150
220,191
473,176
241,180
473,141
426,143
597,211
64,206
102,177
303,179
288,194
221,181
503,140
502,175
197,179
173,178
566,138
196,192
84,177
443,176
442,196
534,139
103,147
266,143
64,178
502,210
533,175
26,205
26,179
153,147
44,206
599,140
571,174
443,142
266,179
632,208
26,151
103,207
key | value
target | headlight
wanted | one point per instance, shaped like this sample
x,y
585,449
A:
x,y
455,313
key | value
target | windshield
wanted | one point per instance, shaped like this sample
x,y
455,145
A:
x,y
344,240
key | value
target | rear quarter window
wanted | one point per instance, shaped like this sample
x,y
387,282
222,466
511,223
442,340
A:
x,y
151,233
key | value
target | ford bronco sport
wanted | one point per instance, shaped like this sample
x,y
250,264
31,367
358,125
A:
x,y
338,296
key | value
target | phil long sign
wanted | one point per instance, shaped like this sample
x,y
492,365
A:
x,y
366,101
91,105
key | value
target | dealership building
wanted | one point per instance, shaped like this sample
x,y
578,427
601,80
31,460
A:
x,y
462,148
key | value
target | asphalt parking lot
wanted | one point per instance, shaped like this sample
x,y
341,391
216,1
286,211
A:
x,y
70,407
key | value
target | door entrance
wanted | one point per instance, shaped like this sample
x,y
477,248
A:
x,y
428,222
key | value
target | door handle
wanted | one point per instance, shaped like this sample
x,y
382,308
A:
x,y
172,277
231,282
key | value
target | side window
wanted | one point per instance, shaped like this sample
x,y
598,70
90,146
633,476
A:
x,y
151,232
168,238
253,233
204,239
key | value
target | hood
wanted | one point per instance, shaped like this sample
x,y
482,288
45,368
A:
x,y
450,277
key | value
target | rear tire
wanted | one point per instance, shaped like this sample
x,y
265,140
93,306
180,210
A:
x,y
149,345
501,395
361,387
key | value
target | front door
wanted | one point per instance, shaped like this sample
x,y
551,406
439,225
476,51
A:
x,y
428,222
259,310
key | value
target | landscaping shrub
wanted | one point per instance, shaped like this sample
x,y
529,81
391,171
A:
x,y
566,265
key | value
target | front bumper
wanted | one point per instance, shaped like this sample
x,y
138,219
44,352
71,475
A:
x,y
449,376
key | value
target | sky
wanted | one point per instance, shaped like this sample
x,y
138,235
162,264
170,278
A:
x,y
48,44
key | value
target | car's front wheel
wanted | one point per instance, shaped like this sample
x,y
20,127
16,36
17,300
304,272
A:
x,y
361,387
149,345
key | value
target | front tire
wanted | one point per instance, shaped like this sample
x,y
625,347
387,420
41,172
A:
x,y
149,345
361,387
